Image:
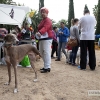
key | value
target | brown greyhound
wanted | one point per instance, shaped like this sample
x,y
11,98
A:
x,y
14,54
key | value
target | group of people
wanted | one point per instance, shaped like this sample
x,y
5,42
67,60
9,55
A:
x,y
58,38
85,40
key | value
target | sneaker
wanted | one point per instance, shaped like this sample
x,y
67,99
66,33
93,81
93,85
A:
x,y
81,68
52,57
74,64
42,69
57,60
45,70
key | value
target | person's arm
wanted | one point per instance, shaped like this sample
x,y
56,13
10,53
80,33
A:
x,y
77,33
58,35
47,24
80,21
66,33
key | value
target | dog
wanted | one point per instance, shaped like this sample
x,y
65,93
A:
x,y
15,54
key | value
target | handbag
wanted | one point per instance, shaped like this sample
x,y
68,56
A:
x,y
72,42
25,62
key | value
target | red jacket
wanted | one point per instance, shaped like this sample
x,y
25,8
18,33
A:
x,y
46,26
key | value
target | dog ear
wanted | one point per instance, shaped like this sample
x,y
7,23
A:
x,y
9,38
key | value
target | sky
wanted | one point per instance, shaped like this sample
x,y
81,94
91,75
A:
x,y
58,9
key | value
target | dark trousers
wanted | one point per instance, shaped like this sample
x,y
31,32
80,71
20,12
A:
x,y
73,54
2,53
54,48
84,45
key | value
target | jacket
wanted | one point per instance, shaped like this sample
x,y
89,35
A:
x,y
45,26
63,37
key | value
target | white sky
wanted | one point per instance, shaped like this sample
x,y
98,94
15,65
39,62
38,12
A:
x,y
58,9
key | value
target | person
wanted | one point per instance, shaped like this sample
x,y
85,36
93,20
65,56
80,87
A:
x,y
26,32
54,43
63,35
19,34
87,25
45,36
74,34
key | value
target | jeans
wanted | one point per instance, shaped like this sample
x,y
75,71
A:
x,y
61,45
73,54
45,51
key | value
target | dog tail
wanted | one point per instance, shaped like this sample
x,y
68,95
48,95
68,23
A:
x,y
36,51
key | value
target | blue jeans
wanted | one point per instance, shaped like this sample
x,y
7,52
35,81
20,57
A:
x,y
61,45
73,54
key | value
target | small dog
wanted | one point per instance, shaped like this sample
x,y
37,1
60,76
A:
x,y
15,54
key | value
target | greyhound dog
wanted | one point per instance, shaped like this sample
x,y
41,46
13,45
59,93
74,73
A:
x,y
14,54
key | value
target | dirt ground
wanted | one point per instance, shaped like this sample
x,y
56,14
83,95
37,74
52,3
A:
x,y
64,82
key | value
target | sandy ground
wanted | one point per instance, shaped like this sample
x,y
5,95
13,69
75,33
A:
x,y
64,82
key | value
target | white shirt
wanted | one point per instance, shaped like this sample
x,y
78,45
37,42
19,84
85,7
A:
x,y
87,26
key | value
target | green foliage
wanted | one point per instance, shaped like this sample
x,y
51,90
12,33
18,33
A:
x,y
5,1
86,7
41,4
58,24
71,12
36,20
95,11
98,19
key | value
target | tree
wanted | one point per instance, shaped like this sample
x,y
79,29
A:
x,y
71,12
98,19
95,11
5,1
41,4
58,24
86,7
36,20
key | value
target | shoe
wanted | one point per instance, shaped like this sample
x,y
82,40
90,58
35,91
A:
x,y
52,57
92,69
74,64
69,63
81,68
45,70
42,69
57,60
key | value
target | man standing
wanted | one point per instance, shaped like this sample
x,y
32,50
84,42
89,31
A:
x,y
87,26
63,35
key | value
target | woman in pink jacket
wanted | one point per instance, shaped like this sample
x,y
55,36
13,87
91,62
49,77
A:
x,y
45,39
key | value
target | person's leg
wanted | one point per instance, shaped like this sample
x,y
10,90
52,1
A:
x,y
74,54
53,49
41,52
71,56
63,49
47,53
92,58
59,51
83,53
56,49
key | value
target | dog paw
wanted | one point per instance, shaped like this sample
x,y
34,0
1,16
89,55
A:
x,y
15,90
35,80
7,83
